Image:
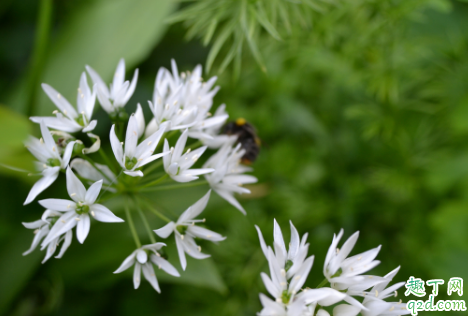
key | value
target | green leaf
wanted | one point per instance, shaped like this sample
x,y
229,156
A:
x,y
98,34
14,129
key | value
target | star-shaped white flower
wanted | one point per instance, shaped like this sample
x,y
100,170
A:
x,y
50,161
67,118
143,259
374,300
228,176
41,229
76,212
343,272
291,261
115,97
209,134
183,99
177,166
185,231
135,156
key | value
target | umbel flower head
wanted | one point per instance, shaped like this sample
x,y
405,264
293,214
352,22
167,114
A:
x,y
143,259
185,231
180,110
67,118
50,160
289,271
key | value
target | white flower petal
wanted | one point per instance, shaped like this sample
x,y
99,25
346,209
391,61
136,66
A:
x,y
66,244
137,275
195,209
116,146
75,188
103,214
165,231
131,137
149,274
165,265
82,228
58,205
127,263
137,173
49,176
93,192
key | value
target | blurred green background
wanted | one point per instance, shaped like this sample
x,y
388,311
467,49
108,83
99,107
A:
x,y
361,105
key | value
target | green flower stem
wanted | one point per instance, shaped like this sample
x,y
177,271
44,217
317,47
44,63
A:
x,y
155,211
145,222
324,281
95,167
164,177
106,159
41,44
154,166
132,226
175,186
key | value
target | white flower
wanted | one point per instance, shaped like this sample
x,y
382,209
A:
x,y
185,230
227,178
76,212
278,286
210,135
343,272
291,261
139,258
375,303
50,161
67,118
177,166
115,97
135,156
41,229
183,100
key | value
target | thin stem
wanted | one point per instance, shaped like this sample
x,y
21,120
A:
x,y
145,222
155,211
174,186
132,226
164,177
40,51
106,159
153,166
324,281
95,167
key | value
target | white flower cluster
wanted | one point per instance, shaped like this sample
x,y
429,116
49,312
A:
x,y
181,105
290,268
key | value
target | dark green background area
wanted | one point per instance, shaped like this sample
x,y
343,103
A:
x,y
364,126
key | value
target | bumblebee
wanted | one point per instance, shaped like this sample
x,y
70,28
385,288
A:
x,y
246,136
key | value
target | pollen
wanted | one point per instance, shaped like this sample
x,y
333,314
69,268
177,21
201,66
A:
x,y
337,250
73,194
135,133
391,308
58,96
359,258
149,143
188,150
208,236
396,293
92,213
41,140
182,237
199,248
77,219
63,221
376,293
55,112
